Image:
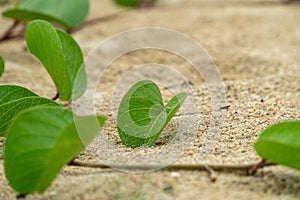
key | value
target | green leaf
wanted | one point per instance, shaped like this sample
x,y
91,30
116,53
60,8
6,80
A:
x,y
14,99
128,3
142,115
40,141
68,13
13,92
9,110
60,55
280,143
2,65
134,3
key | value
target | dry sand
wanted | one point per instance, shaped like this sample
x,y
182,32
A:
x,y
256,46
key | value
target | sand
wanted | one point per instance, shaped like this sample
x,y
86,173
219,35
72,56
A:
x,y
254,44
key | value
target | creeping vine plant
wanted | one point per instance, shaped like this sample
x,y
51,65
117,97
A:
x,y
42,136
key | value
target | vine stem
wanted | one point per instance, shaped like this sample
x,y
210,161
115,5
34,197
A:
x,y
249,168
96,20
8,33
263,163
146,4
55,97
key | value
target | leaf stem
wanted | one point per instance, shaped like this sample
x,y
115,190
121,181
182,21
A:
x,y
97,20
21,196
200,167
263,163
55,97
249,168
8,34
146,4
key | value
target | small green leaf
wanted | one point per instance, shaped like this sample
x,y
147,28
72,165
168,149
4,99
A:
x,y
60,55
10,109
68,13
280,143
40,141
142,115
2,65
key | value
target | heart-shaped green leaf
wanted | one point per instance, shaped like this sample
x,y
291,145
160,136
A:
x,y
40,141
142,115
2,65
60,55
280,143
68,13
10,108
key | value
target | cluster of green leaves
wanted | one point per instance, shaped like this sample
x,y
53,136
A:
x,y
41,135
142,114
67,13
